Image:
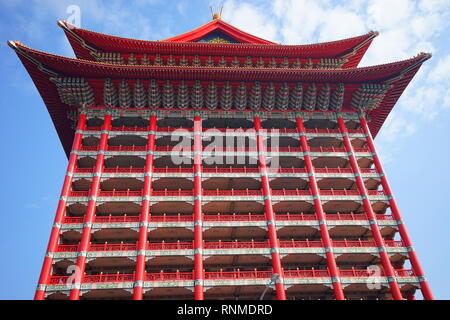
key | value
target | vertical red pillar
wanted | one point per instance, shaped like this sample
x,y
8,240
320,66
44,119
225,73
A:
x,y
387,266
270,217
198,215
145,212
326,239
90,211
417,268
60,211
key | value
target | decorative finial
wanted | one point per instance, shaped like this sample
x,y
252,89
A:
x,y
216,15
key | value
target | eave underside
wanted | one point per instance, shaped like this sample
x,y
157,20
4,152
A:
x,y
398,74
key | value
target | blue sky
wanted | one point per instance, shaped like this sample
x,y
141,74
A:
x,y
413,142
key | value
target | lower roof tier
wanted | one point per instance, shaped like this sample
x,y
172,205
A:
x,y
67,84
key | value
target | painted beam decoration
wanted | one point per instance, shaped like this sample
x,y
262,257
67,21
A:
x,y
129,94
74,91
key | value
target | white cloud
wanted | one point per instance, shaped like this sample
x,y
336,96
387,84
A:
x,y
441,72
434,5
406,27
387,13
396,127
340,23
249,18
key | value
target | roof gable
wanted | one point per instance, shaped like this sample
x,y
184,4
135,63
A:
x,y
218,29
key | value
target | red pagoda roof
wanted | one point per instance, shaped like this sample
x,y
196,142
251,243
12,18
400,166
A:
x,y
79,67
44,66
86,44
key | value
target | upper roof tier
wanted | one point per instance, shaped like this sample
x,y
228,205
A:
x,y
66,84
216,39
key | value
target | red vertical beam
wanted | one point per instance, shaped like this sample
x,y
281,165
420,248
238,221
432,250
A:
x,y
387,266
59,216
417,268
270,218
198,216
145,212
90,211
326,239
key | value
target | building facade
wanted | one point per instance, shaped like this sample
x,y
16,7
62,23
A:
x,y
218,165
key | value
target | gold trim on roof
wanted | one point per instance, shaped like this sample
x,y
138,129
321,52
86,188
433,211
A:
x,y
218,40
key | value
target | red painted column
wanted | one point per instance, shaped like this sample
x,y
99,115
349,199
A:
x,y
387,266
199,275
54,236
410,296
326,239
90,211
145,212
417,268
270,217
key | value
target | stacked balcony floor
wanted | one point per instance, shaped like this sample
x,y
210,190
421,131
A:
x,y
236,251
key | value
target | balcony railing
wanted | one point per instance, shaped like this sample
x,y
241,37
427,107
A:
x,y
306,273
329,131
224,170
116,219
84,170
297,192
346,192
123,128
108,278
93,128
220,149
353,217
228,217
372,273
335,149
175,218
127,148
170,246
236,245
326,149
229,275
115,148
232,192
104,219
217,245
333,170
89,148
171,129
284,149
230,170
174,170
234,217
238,275
172,193
124,170
115,193
113,247
176,276
79,193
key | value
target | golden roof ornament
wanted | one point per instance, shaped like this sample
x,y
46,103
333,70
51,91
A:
x,y
216,15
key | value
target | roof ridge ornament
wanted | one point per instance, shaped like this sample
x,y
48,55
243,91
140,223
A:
x,y
66,26
215,15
